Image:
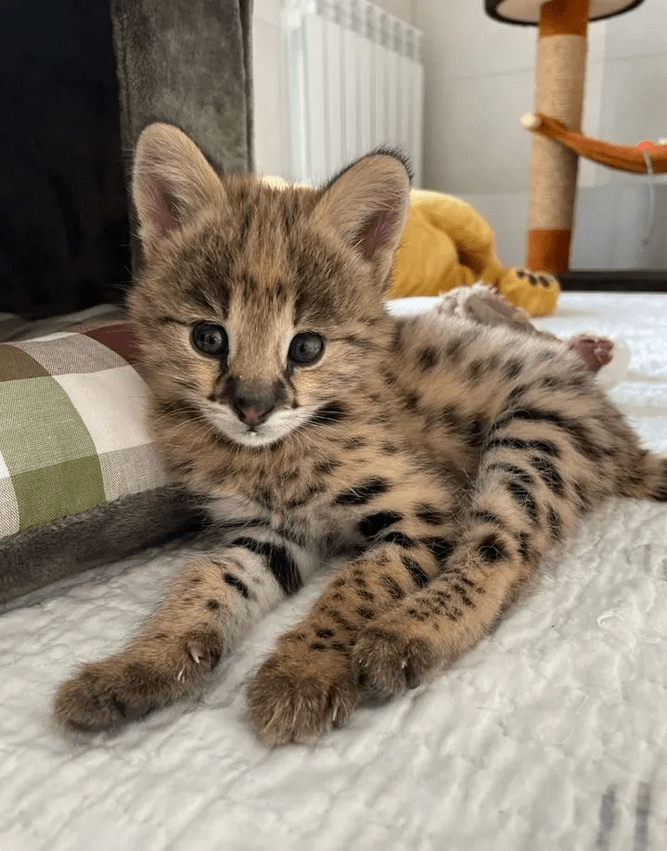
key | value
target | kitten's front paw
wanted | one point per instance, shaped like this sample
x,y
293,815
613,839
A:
x,y
296,698
126,687
104,694
386,661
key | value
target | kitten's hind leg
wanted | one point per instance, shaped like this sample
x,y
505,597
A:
x,y
538,472
215,600
494,559
643,475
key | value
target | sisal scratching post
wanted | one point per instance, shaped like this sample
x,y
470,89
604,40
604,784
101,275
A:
x,y
559,91
559,94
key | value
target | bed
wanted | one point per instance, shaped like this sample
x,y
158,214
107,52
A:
x,y
550,735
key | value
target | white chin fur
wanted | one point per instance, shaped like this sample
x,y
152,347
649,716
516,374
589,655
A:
x,y
276,427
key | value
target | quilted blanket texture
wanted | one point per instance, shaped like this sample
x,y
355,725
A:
x,y
550,735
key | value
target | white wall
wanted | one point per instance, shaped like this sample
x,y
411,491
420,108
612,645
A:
x,y
479,80
400,8
271,141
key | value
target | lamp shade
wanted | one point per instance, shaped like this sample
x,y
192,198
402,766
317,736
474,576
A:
x,y
527,12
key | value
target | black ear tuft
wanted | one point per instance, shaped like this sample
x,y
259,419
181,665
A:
x,y
395,153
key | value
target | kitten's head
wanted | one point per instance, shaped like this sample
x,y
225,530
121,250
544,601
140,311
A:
x,y
260,309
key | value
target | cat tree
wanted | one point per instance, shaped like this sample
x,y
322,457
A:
x,y
559,94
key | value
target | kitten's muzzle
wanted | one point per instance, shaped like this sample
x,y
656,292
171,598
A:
x,y
254,401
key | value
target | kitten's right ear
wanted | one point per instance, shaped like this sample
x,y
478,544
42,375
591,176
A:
x,y
367,204
171,182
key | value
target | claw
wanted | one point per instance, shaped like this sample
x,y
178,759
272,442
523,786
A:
x,y
412,678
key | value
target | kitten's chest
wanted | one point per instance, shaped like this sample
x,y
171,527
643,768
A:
x,y
330,529
312,501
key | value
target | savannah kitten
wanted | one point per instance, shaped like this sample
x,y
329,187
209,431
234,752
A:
x,y
433,462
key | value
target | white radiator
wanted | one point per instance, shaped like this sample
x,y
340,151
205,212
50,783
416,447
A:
x,y
354,82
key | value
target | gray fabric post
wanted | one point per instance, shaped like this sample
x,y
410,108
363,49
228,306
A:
x,y
186,62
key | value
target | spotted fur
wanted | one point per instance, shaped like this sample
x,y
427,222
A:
x,y
433,462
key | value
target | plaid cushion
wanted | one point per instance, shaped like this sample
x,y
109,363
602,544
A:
x,y
72,435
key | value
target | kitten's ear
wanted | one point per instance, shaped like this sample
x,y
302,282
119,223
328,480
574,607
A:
x,y
368,206
171,182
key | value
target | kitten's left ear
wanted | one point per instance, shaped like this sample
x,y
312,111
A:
x,y
368,206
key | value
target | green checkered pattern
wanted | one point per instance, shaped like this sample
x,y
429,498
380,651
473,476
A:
x,y
72,433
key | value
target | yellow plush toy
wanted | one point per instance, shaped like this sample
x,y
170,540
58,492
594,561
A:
x,y
447,244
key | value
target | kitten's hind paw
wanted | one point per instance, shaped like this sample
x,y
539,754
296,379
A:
x,y
386,663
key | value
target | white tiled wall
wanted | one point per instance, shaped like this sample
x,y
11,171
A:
x,y
479,79
635,96
639,33
634,239
400,8
485,149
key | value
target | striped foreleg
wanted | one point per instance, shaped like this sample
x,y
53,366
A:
x,y
216,599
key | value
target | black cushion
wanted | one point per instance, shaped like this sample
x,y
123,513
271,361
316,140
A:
x,y
64,233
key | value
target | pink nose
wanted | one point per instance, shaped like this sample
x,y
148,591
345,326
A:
x,y
251,416
254,401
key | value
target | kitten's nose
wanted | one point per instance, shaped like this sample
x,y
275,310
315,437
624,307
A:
x,y
253,410
253,402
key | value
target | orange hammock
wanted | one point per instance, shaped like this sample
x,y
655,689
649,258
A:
x,y
623,157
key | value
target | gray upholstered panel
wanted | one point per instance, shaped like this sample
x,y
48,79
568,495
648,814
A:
x,y
186,62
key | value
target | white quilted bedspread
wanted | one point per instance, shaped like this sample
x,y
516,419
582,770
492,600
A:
x,y
551,735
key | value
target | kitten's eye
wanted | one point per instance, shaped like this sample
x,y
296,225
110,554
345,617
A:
x,y
306,348
210,339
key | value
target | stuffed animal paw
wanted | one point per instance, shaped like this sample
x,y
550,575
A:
x,y
536,292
